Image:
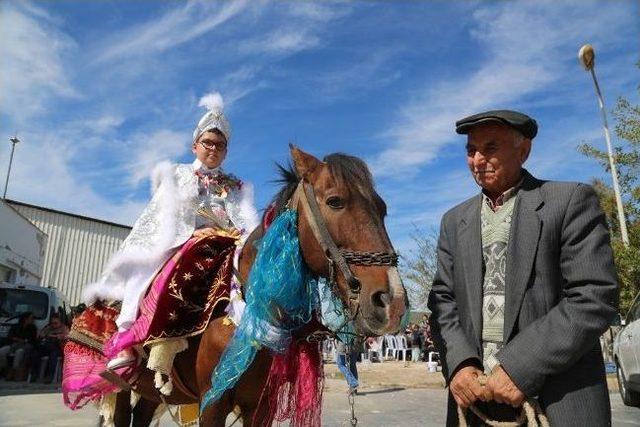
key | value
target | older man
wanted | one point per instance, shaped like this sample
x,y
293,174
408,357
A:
x,y
525,285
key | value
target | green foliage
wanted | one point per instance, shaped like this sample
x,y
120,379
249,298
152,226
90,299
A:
x,y
627,158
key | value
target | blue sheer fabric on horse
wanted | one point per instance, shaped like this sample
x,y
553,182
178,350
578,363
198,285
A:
x,y
281,297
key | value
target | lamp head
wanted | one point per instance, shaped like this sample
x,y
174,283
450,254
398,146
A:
x,y
587,57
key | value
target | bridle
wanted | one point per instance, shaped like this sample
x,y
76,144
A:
x,y
338,259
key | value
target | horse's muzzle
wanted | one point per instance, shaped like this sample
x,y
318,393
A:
x,y
383,313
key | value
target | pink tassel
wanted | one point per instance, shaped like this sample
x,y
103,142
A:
x,y
294,386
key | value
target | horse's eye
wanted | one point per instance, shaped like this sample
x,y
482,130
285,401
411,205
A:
x,y
335,202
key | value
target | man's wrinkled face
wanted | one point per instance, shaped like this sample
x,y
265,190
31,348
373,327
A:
x,y
210,149
495,155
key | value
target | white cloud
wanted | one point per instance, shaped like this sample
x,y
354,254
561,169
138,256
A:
x,y
105,123
241,82
144,151
42,175
31,65
281,41
177,26
527,47
371,69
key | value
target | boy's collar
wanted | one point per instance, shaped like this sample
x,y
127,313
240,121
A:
x,y
198,165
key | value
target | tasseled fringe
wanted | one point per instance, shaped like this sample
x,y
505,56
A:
x,y
134,399
107,409
160,411
294,387
160,361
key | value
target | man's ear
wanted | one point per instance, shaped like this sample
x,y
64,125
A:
x,y
304,163
526,150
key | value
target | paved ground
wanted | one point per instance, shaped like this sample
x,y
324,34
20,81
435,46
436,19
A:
x,y
391,395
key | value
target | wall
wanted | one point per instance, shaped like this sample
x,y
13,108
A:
x,y
78,247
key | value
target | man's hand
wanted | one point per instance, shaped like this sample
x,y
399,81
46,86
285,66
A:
x,y
466,388
503,389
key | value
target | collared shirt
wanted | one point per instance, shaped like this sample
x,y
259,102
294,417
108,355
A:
x,y
503,198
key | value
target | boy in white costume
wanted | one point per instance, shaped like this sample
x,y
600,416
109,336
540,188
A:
x,y
190,201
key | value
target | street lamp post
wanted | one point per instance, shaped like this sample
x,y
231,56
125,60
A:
x,y
13,141
587,56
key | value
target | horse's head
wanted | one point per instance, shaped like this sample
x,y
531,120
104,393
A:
x,y
340,206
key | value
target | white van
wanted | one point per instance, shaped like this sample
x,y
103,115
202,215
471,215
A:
x,y
41,301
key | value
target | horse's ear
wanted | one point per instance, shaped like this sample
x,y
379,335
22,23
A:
x,y
304,163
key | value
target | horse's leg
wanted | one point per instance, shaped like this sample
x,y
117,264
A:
x,y
122,415
212,344
215,415
250,391
143,412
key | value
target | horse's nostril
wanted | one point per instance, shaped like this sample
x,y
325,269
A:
x,y
380,299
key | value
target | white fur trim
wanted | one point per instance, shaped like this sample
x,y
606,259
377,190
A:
x,y
247,207
166,194
162,171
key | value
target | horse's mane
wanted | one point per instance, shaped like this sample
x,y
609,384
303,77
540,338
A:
x,y
347,170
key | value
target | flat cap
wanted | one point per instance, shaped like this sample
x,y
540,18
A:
x,y
519,121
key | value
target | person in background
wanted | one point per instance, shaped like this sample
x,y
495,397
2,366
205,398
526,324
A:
x,y
350,372
417,342
51,339
426,334
22,338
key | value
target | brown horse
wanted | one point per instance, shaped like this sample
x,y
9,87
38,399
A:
x,y
343,238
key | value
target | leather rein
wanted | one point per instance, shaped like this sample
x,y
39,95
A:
x,y
338,259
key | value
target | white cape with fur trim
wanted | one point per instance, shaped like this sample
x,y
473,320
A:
x,y
166,223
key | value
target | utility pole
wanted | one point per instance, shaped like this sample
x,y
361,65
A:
x,y
587,57
13,141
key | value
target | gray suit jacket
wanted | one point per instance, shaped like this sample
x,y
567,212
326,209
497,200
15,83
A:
x,y
561,295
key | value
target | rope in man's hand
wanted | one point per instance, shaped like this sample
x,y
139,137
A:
x,y
531,414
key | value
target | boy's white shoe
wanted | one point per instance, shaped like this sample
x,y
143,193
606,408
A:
x,y
124,358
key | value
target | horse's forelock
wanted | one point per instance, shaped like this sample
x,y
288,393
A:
x,y
348,171
353,173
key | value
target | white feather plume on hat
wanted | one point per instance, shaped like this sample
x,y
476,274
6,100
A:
x,y
212,101
214,118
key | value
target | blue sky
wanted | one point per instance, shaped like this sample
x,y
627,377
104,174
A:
x,y
100,91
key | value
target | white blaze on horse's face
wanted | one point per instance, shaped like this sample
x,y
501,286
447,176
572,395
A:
x,y
354,217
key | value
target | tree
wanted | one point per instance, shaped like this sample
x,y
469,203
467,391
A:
x,y
419,267
627,157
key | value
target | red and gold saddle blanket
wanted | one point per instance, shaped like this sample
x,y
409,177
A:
x,y
179,303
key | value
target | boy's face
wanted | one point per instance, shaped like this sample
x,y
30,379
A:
x,y
210,149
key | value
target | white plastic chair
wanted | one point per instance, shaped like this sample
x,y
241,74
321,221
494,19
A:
x,y
401,346
392,346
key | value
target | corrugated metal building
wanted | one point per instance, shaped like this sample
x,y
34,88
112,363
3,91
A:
x,y
78,247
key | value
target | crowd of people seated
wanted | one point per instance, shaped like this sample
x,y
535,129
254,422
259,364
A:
x,y
25,349
417,344
419,339
417,336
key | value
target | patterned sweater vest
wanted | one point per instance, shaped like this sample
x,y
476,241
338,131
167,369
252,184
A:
x,y
495,239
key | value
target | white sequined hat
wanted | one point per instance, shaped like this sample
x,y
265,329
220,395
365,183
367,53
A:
x,y
214,118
